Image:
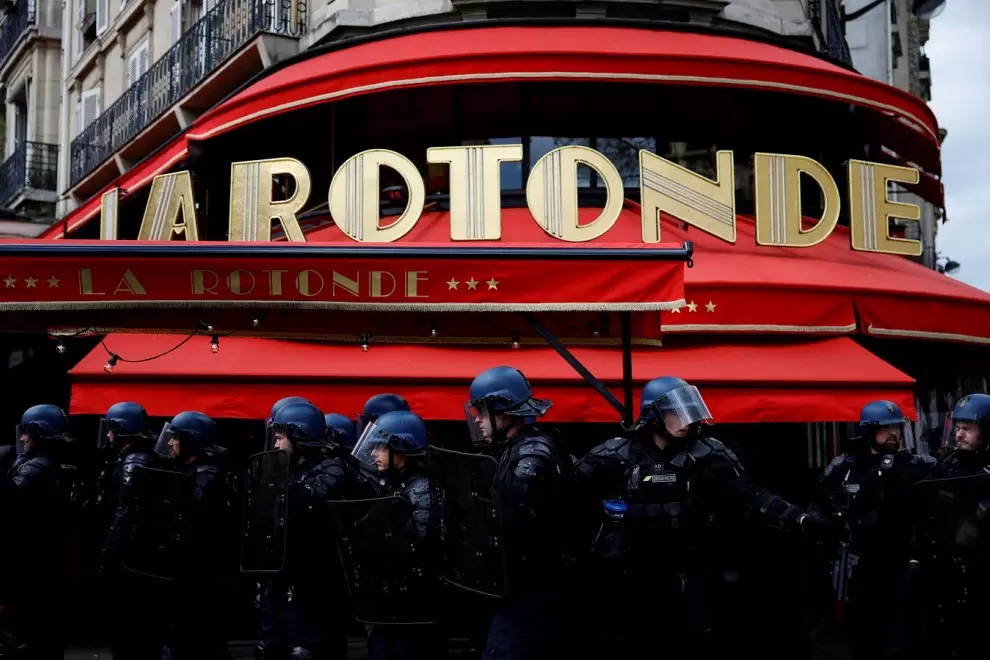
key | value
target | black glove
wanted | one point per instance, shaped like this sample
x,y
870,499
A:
x,y
822,530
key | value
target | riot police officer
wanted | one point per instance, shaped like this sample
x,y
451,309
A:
x,y
302,613
869,490
377,406
394,447
38,507
531,488
342,434
660,496
190,440
951,553
135,631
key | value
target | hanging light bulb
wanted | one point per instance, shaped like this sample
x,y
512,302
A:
x,y
364,346
203,325
215,344
60,348
108,367
515,340
365,341
255,322
433,332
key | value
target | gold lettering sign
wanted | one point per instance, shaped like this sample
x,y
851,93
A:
x,y
108,214
252,209
170,199
354,196
778,201
552,193
697,200
551,196
870,208
475,188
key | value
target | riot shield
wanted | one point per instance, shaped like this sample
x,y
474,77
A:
x,y
471,548
155,501
953,515
266,510
387,564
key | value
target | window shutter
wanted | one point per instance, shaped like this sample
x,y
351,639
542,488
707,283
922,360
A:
x,y
143,59
132,68
80,11
91,106
78,119
102,16
174,24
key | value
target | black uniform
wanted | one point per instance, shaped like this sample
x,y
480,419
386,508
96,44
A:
x,y
137,626
664,542
872,493
34,592
304,607
952,550
196,632
387,642
533,482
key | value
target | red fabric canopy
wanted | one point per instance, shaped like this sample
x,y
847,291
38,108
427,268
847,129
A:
x,y
503,54
749,288
821,380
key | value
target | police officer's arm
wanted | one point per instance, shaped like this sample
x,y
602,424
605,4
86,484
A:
x,y
418,494
325,483
532,482
29,476
599,474
824,506
736,484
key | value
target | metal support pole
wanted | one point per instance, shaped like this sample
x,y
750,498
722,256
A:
x,y
561,350
627,384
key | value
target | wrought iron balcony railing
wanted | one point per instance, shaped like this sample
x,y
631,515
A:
x,y
201,50
32,165
19,17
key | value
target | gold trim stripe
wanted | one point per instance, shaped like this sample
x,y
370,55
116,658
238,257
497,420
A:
x,y
750,327
924,334
333,305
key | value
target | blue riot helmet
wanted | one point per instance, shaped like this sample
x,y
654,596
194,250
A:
x,y
377,406
674,404
500,390
42,423
400,431
968,427
278,405
195,432
340,430
127,420
303,424
883,424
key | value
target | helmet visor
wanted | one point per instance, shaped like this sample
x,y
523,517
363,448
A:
x,y
370,446
103,434
964,434
269,435
19,432
362,423
480,421
161,447
682,407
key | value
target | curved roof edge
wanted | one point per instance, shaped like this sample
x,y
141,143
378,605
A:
x,y
481,52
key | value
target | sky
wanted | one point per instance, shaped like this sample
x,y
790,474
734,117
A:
x,y
959,49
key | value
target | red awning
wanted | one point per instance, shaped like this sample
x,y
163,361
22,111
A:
x,y
820,380
506,54
754,289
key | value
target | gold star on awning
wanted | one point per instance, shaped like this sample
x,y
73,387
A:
x,y
492,284
10,282
710,306
32,282
452,284
472,284
53,282
692,306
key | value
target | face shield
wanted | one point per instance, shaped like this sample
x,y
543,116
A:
x,y
18,443
269,434
481,423
370,445
682,407
103,435
962,434
362,423
161,447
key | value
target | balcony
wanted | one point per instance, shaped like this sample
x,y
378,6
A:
x,y
200,52
30,172
19,17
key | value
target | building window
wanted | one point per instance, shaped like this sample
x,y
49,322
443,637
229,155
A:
x,y
85,23
137,63
102,16
174,23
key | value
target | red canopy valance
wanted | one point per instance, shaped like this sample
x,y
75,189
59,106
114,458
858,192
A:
x,y
820,380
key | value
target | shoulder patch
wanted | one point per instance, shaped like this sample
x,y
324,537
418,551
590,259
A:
x,y
701,448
